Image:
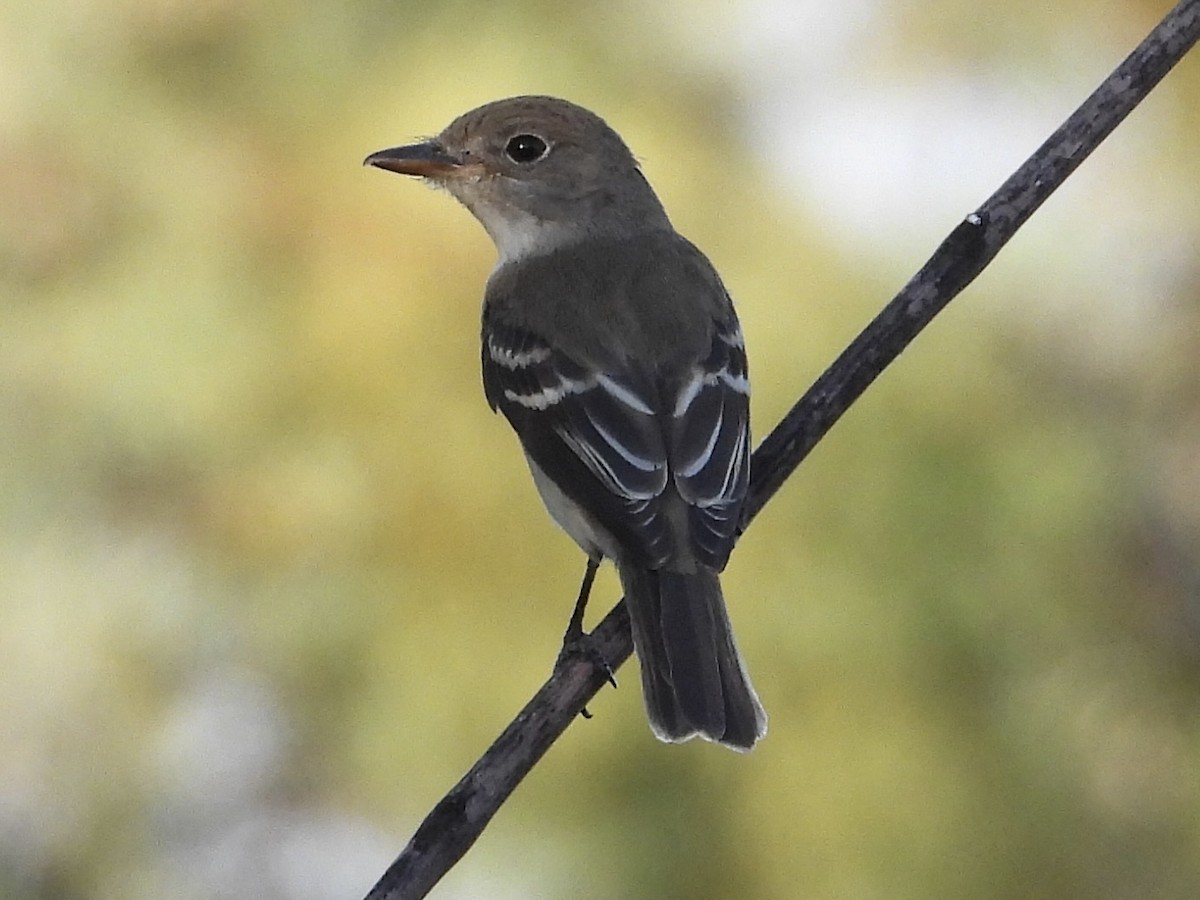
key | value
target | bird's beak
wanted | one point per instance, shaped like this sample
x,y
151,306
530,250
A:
x,y
428,159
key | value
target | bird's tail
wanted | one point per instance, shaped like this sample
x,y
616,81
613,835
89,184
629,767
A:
x,y
693,678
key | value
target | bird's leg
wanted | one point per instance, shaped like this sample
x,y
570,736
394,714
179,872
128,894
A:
x,y
575,640
575,627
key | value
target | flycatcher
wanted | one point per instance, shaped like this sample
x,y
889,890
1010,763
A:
x,y
612,348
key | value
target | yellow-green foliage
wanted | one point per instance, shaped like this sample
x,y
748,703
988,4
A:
x,y
272,577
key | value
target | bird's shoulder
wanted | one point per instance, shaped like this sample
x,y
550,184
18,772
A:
x,y
652,295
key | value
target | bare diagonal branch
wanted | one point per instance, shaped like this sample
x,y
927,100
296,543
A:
x,y
965,253
460,817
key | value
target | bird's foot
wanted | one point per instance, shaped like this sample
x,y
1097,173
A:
x,y
578,643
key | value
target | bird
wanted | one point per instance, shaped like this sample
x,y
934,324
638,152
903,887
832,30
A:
x,y
612,347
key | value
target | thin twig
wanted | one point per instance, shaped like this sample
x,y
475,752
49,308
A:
x,y
460,817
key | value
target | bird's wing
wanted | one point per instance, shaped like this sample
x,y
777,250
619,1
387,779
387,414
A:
x,y
594,433
612,441
709,447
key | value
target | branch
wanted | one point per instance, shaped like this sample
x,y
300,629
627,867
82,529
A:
x,y
460,817
965,253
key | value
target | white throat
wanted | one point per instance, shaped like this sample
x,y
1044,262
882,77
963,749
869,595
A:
x,y
518,234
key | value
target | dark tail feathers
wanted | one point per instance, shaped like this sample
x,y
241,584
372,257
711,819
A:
x,y
693,679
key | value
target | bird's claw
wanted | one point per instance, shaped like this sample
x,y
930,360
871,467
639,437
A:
x,y
577,643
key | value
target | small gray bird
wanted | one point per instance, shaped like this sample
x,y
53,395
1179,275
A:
x,y
612,348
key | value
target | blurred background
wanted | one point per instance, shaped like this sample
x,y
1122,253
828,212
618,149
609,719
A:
x,y
272,577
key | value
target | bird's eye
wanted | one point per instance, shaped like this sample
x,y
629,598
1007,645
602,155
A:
x,y
525,148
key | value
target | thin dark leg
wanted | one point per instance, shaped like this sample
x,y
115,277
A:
x,y
575,640
575,626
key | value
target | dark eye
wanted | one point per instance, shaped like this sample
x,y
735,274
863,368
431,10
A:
x,y
525,148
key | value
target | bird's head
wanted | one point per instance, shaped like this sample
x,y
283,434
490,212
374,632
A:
x,y
537,172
